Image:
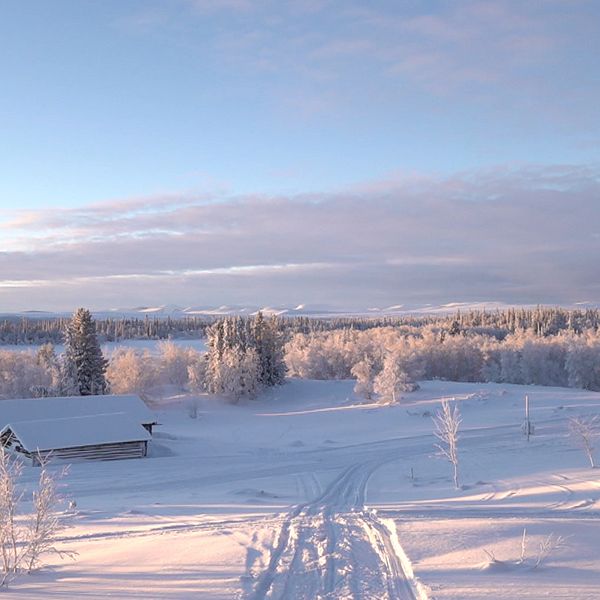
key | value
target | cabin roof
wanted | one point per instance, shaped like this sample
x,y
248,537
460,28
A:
x,y
73,432
27,409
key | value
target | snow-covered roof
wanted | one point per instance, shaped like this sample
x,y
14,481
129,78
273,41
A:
x,y
27,409
71,432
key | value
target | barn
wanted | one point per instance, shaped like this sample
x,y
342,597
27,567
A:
x,y
77,427
96,437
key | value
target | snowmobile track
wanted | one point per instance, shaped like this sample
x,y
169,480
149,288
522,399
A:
x,y
332,547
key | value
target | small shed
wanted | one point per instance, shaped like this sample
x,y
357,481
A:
x,y
36,409
111,436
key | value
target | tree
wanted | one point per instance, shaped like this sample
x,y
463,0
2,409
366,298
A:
x,y
174,363
24,540
243,355
197,374
364,373
47,360
447,423
84,365
267,340
132,371
237,375
584,431
21,376
393,379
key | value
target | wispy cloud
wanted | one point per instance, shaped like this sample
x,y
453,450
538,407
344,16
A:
x,y
444,48
519,234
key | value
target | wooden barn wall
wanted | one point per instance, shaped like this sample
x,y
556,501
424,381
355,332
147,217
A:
x,y
117,451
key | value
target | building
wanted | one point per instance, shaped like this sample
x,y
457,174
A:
x,y
77,427
96,437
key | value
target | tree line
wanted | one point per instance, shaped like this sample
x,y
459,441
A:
x,y
244,356
17,331
541,321
387,361
247,354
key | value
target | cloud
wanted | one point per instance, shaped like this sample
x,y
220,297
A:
x,y
513,234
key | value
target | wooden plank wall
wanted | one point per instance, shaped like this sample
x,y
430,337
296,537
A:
x,y
118,451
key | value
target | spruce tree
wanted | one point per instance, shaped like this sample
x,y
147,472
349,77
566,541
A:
x,y
268,341
83,359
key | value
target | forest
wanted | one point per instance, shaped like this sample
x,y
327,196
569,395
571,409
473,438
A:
x,y
387,357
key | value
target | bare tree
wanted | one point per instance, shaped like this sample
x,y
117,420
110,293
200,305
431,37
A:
x,y
584,431
24,541
45,523
447,423
10,497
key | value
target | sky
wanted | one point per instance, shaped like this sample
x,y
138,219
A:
x,y
326,152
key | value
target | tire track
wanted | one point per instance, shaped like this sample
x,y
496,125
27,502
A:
x,y
332,547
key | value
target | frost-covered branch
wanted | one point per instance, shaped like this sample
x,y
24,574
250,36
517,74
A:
x,y
447,423
584,431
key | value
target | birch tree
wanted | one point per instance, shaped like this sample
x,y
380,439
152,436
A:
x,y
447,424
584,432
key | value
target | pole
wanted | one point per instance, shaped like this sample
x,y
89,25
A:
x,y
527,424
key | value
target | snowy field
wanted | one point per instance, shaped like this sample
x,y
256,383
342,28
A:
x,y
307,494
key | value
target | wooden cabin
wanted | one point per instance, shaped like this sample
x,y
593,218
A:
x,y
77,427
96,437
35,409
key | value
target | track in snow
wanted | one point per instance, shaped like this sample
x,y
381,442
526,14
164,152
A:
x,y
332,547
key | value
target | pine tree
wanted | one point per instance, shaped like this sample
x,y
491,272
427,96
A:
x,y
267,339
83,359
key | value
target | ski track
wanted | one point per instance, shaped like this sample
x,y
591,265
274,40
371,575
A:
x,y
332,547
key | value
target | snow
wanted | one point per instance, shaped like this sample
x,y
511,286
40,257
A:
x,y
25,409
307,493
71,432
291,309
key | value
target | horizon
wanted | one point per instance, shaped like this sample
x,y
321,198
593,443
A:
x,y
318,152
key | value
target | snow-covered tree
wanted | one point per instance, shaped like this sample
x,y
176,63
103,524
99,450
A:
x,y
267,339
447,423
393,379
584,432
83,359
237,374
364,373
197,374
174,363
132,371
252,346
583,362
21,376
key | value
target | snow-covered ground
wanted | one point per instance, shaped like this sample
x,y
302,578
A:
x,y
306,493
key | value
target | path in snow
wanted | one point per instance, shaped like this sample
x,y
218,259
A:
x,y
332,547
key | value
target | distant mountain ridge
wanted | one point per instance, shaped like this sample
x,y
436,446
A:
x,y
296,310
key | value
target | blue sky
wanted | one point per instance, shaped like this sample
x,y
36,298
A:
x,y
126,115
